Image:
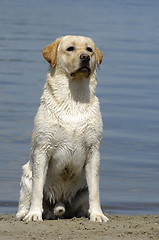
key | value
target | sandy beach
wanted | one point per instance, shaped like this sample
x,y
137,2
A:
x,y
119,227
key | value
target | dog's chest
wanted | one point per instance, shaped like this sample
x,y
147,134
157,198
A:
x,y
72,137
72,130
70,150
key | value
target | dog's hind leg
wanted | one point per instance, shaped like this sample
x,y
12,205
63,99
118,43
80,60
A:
x,y
79,206
25,192
53,211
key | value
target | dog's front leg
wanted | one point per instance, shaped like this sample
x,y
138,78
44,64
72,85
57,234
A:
x,y
92,175
39,169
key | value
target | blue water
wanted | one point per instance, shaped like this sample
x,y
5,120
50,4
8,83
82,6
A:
x,y
127,32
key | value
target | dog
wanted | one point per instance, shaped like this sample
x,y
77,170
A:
x,y
61,180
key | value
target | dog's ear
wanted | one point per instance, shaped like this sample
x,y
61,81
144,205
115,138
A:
x,y
99,57
50,52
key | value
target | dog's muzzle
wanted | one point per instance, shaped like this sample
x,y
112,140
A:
x,y
84,65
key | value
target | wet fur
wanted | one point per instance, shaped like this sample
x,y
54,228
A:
x,y
62,177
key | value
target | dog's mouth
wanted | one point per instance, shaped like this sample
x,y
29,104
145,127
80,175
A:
x,y
82,70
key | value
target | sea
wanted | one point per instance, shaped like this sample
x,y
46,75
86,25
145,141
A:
x,y
127,33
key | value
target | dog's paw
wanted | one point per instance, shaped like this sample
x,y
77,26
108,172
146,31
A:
x,y
21,214
98,217
35,216
59,209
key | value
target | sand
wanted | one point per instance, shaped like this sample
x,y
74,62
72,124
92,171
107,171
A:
x,y
119,227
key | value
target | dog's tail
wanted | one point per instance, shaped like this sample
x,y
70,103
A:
x,y
59,209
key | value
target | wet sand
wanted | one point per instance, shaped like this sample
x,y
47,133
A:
x,y
119,227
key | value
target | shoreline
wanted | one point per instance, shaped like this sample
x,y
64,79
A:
x,y
111,208
119,227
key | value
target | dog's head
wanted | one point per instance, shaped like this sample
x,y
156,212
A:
x,y
77,56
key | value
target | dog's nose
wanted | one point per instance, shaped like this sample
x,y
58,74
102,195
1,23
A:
x,y
85,57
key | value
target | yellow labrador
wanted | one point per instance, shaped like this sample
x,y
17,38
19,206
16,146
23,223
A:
x,y
62,177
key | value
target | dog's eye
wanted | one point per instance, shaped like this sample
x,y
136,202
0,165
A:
x,y
69,49
89,49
